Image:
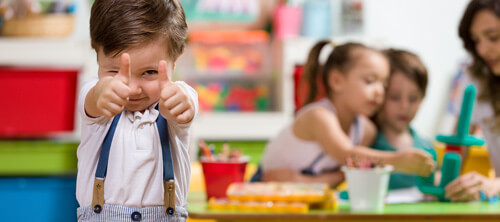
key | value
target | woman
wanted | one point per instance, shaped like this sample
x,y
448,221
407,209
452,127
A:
x,y
480,33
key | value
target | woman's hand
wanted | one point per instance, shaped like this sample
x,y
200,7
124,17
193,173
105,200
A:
x,y
468,186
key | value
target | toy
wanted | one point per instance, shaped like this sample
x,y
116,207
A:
x,y
455,150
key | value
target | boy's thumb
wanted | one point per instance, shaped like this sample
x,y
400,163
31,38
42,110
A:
x,y
162,71
124,73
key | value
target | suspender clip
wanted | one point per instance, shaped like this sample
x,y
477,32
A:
x,y
169,198
98,195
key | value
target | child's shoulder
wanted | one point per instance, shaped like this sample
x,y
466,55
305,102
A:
x,y
315,114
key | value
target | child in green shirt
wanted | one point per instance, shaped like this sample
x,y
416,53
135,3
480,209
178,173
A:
x,y
405,92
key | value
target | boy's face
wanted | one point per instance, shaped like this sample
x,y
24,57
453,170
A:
x,y
402,102
144,79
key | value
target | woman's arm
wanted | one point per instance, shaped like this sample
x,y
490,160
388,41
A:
x,y
322,126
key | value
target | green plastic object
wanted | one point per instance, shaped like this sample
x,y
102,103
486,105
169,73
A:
x,y
462,136
38,158
449,172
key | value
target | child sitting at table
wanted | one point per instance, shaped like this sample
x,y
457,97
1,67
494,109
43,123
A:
x,y
404,94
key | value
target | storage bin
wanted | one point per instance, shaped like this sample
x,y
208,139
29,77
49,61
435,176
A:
x,y
37,158
38,199
233,96
227,53
36,102
54,25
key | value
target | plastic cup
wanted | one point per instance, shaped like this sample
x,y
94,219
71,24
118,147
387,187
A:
x,y
287,20
219,175
367,187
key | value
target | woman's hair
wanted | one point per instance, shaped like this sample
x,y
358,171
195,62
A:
x,y
490,84
409,65
342,58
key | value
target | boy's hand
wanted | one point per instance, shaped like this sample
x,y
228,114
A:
x,y
113,92
414,162
175,103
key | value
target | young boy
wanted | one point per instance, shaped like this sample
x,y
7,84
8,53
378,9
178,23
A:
x,y
133,162
405,92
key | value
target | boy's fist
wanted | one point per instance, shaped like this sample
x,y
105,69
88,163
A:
x,y
175,103
115,90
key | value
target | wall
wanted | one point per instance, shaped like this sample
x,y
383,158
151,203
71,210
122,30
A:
x,y
430,29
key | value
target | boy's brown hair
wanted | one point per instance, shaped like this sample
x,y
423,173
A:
x,y
116,25
409,65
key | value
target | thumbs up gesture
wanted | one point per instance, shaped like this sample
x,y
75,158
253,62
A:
x,y
112,92
175,103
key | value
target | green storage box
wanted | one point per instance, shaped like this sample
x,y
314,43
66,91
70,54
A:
x,y
37,158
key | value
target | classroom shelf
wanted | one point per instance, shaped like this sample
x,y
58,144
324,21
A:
x,y
43,52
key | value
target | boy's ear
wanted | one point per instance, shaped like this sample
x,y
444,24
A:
x,y
175,60
178,56
336,81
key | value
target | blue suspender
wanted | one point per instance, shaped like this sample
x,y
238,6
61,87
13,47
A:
x,y
168,170
102,165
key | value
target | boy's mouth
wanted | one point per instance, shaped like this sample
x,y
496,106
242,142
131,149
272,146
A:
x,y
403,118
134,99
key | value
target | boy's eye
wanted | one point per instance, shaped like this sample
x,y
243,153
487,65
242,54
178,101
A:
x,y
394,98
414,99
150,72
113,71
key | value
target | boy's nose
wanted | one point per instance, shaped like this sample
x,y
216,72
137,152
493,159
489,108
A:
x,y
135,87
404,104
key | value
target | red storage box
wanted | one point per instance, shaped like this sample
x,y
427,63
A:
x,y
36,102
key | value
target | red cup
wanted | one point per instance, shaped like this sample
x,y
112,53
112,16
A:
x,y
219,175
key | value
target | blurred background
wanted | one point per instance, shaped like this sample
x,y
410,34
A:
x,y
244,58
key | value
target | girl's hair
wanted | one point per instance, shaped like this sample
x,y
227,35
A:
x,y
341,58
490,84
409,65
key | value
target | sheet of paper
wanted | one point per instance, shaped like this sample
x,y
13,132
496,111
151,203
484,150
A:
x,y
408,195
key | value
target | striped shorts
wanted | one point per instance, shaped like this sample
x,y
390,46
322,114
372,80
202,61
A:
x,y
116,213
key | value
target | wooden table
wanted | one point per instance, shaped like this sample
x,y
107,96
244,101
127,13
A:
x,y
428,211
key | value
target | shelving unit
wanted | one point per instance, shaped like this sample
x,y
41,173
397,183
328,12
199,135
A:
x,y
43,52
75,51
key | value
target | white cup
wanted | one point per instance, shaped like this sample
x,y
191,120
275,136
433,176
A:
x,y
367,187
